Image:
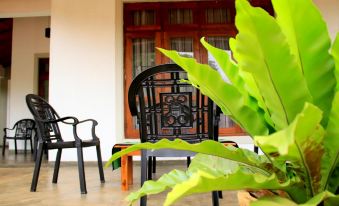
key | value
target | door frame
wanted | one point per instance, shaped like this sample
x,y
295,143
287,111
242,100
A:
x,y
37,56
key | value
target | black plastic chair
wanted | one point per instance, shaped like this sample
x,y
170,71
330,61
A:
x,y
22,130
49,137
167,107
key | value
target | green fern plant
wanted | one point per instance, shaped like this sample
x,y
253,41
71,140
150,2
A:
x,y
283,91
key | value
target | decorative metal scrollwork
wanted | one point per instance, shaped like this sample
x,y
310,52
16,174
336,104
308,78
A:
x,y
176,109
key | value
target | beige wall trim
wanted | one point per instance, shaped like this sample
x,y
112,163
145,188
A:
x,y
24,8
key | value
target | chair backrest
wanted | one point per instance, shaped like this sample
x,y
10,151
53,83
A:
x,y
42,112
168,107
24,128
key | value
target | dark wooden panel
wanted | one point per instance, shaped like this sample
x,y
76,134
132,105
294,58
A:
x,y
6,27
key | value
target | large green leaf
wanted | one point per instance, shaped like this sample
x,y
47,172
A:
x,y
252,86
300,144
209,147
330,161
242,80
202,181
228,67
262,50
210,164
273,201
165,182
307,35
335,54
328,198
226,96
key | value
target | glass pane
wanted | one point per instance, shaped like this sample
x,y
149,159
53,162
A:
x,y
184,45
143,17
143,55
217,16
143,58
180,16
225,122
220,42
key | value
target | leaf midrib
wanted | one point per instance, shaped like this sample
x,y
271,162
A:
x,y
308,180
276,91
266,64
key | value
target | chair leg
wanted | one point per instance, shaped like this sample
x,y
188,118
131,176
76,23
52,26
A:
x,y
101,171
35,146
25,146
215,198
149,170
143,199
30,140
188,161
3,146
37,167
46,154
220,194
15,147
57,166
256,149
81,171
35,149
154,160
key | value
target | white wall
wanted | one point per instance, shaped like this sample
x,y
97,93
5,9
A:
x,y
82,67
330,11
119,71
28,40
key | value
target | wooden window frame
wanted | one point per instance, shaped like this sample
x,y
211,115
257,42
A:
x,y
131,133
162,31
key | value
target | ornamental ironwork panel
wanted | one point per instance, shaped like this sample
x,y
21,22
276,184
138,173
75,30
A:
x,y
176,109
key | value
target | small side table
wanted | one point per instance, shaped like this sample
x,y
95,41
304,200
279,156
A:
x,y
126,165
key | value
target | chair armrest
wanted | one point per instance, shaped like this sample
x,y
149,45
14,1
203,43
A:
x,y
94,124
75,120
63,120
74,123
8,129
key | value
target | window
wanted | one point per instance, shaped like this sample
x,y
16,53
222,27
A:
x,y
178,26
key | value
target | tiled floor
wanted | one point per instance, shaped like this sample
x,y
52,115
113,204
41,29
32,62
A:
x,y
16,173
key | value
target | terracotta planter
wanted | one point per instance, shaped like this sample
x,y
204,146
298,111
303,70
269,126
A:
x,y
244,198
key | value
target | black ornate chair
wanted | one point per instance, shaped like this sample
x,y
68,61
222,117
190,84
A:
x,y
22,130
167,107
49,137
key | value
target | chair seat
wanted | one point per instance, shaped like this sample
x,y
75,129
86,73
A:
x,y
7,137
72,144
170,153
